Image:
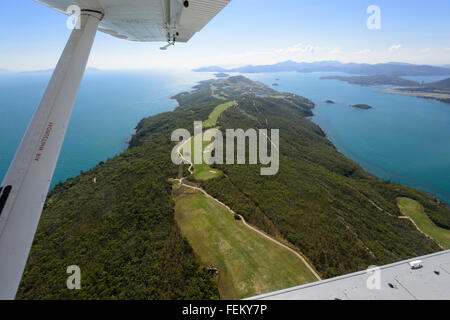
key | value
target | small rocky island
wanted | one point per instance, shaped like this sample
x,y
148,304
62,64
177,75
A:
x,y
275,84
221,75
330,102
360,106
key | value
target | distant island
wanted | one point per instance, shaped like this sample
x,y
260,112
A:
x,y
210,69
375,80
360,106
392,68
439,90
330,102
381,74
221,75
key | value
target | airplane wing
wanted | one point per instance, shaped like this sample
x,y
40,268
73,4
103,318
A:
x,y
148,20
422,278
25,186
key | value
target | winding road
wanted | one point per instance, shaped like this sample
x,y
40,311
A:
x,y
298,255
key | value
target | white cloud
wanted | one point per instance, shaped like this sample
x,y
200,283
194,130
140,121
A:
x,y
395,47
298,48
336,51
425,50
361,52
132,57
296,52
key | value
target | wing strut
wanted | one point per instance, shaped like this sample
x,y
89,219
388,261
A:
x,y
25,186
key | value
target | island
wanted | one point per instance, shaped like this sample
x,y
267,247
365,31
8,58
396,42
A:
x,y
376,80
330,102
391,68
275,84
221,75
149,228
439,90
360,106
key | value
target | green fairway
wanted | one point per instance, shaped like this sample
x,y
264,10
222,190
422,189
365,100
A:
x,y
248,263
203,171
211,122
415,211
215,95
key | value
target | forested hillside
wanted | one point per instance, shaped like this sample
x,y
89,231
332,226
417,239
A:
x,y
117,223
339,216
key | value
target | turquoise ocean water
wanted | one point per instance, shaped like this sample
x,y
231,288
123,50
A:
x,y
402,139
108,108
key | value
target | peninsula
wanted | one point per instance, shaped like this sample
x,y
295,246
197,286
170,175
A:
x,y
141,227
375,80
439,90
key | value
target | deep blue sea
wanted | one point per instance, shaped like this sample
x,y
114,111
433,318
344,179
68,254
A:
x,y
402,139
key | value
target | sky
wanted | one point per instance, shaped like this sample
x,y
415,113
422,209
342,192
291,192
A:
x,y
246,32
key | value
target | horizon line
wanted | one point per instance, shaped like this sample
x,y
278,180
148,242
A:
x,y
93,68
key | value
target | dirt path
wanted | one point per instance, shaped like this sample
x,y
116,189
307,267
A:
x,y
418,229
180,181
403,217
191,166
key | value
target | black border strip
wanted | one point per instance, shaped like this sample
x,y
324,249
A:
x,y
4,197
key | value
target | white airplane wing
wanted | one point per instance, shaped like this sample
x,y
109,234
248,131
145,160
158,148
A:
x,y
148,20
423,278
25,186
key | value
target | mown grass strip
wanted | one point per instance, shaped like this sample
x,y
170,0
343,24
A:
x,y
415,211
211,122
248,263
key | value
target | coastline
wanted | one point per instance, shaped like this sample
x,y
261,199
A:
x,y
443,97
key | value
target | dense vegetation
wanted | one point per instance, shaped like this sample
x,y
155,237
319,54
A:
x,y
339,216
120,230
117,223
